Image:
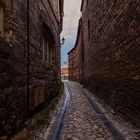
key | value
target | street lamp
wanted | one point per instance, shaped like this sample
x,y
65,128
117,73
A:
x,y
62,41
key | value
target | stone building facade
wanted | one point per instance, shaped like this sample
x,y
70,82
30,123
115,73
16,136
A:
x,y
75,57
29,58
111,38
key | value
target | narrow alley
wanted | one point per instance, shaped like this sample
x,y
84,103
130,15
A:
x,y
69,69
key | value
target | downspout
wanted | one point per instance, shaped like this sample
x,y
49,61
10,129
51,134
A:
x,y
28,58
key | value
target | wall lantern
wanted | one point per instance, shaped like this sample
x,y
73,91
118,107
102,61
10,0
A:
x,y
62,41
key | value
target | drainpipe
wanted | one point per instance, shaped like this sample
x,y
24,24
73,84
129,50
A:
x,y
28,57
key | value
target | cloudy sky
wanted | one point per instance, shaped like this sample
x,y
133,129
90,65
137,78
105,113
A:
x,y
70,24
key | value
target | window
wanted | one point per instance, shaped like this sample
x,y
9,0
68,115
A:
x,y
83,57
1,18
47,50
88,29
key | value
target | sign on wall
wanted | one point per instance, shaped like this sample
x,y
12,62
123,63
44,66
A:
x,y
39,96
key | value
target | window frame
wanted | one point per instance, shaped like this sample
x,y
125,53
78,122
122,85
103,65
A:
x,y
89,33
47,49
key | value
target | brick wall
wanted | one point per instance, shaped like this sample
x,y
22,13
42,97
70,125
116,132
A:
x,y
112,53
71,57
43,77
75,57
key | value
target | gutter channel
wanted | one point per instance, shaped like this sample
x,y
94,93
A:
x,y
58,124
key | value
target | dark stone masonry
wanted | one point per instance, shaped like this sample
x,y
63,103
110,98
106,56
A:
x,y
111,36
29,75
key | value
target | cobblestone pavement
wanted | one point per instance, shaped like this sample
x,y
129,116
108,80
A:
x,y
81,122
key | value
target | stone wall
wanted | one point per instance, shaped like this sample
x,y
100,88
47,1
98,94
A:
x,y
12,89
17,94
112,54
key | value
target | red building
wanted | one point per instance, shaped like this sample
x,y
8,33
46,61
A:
x,y
75,57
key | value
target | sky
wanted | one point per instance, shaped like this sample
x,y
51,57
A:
x,y
70,25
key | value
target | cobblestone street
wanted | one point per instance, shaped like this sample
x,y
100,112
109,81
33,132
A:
x,y
69,70
81,122
76,117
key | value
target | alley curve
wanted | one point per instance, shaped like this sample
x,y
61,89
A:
x,y
81,122
84,119
80,118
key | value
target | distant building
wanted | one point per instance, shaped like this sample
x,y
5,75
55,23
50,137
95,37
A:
x,y
76,57
29,58
64,73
